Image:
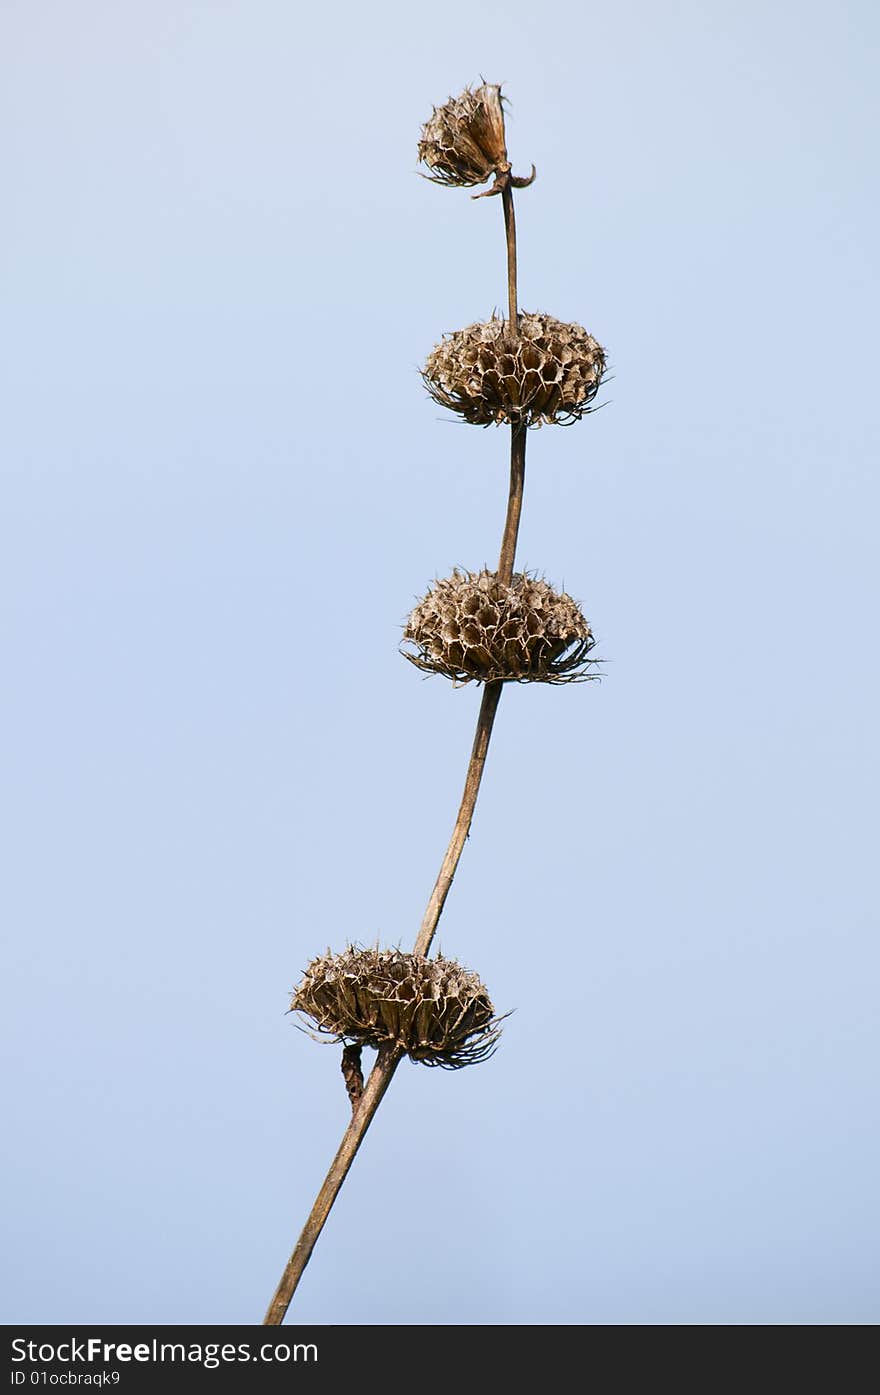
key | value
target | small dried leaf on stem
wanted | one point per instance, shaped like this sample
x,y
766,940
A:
x,y
352,1073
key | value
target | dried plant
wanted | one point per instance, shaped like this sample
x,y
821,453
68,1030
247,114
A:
x,y
545,372
486,627
472,628
463,142
434,1010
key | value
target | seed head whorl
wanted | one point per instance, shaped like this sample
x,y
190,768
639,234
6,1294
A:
x,y
547,372
463,142
470,627
435,1010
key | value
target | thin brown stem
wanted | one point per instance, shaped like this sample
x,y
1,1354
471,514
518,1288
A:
x,y
514,503
386,1064
510,233
488,708
517,432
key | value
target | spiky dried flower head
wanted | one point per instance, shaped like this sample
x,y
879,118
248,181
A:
x,y
463,142
547,372
471,627
433,1009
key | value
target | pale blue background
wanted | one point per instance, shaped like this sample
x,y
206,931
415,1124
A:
x,y
223,487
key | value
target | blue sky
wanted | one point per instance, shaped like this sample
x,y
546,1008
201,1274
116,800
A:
x,y
223,487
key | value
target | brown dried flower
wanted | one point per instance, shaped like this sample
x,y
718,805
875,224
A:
x,y
463,142
433,1009
472,628
547,372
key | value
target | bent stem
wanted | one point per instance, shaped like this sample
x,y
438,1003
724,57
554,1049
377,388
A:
x,y
389,1058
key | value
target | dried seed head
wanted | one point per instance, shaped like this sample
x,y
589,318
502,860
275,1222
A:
x,y
471,627
547,372
463,142
434,1009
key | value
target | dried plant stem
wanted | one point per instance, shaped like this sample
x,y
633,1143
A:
x,y
388,1059
485,720
510,234
517,433
514,503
